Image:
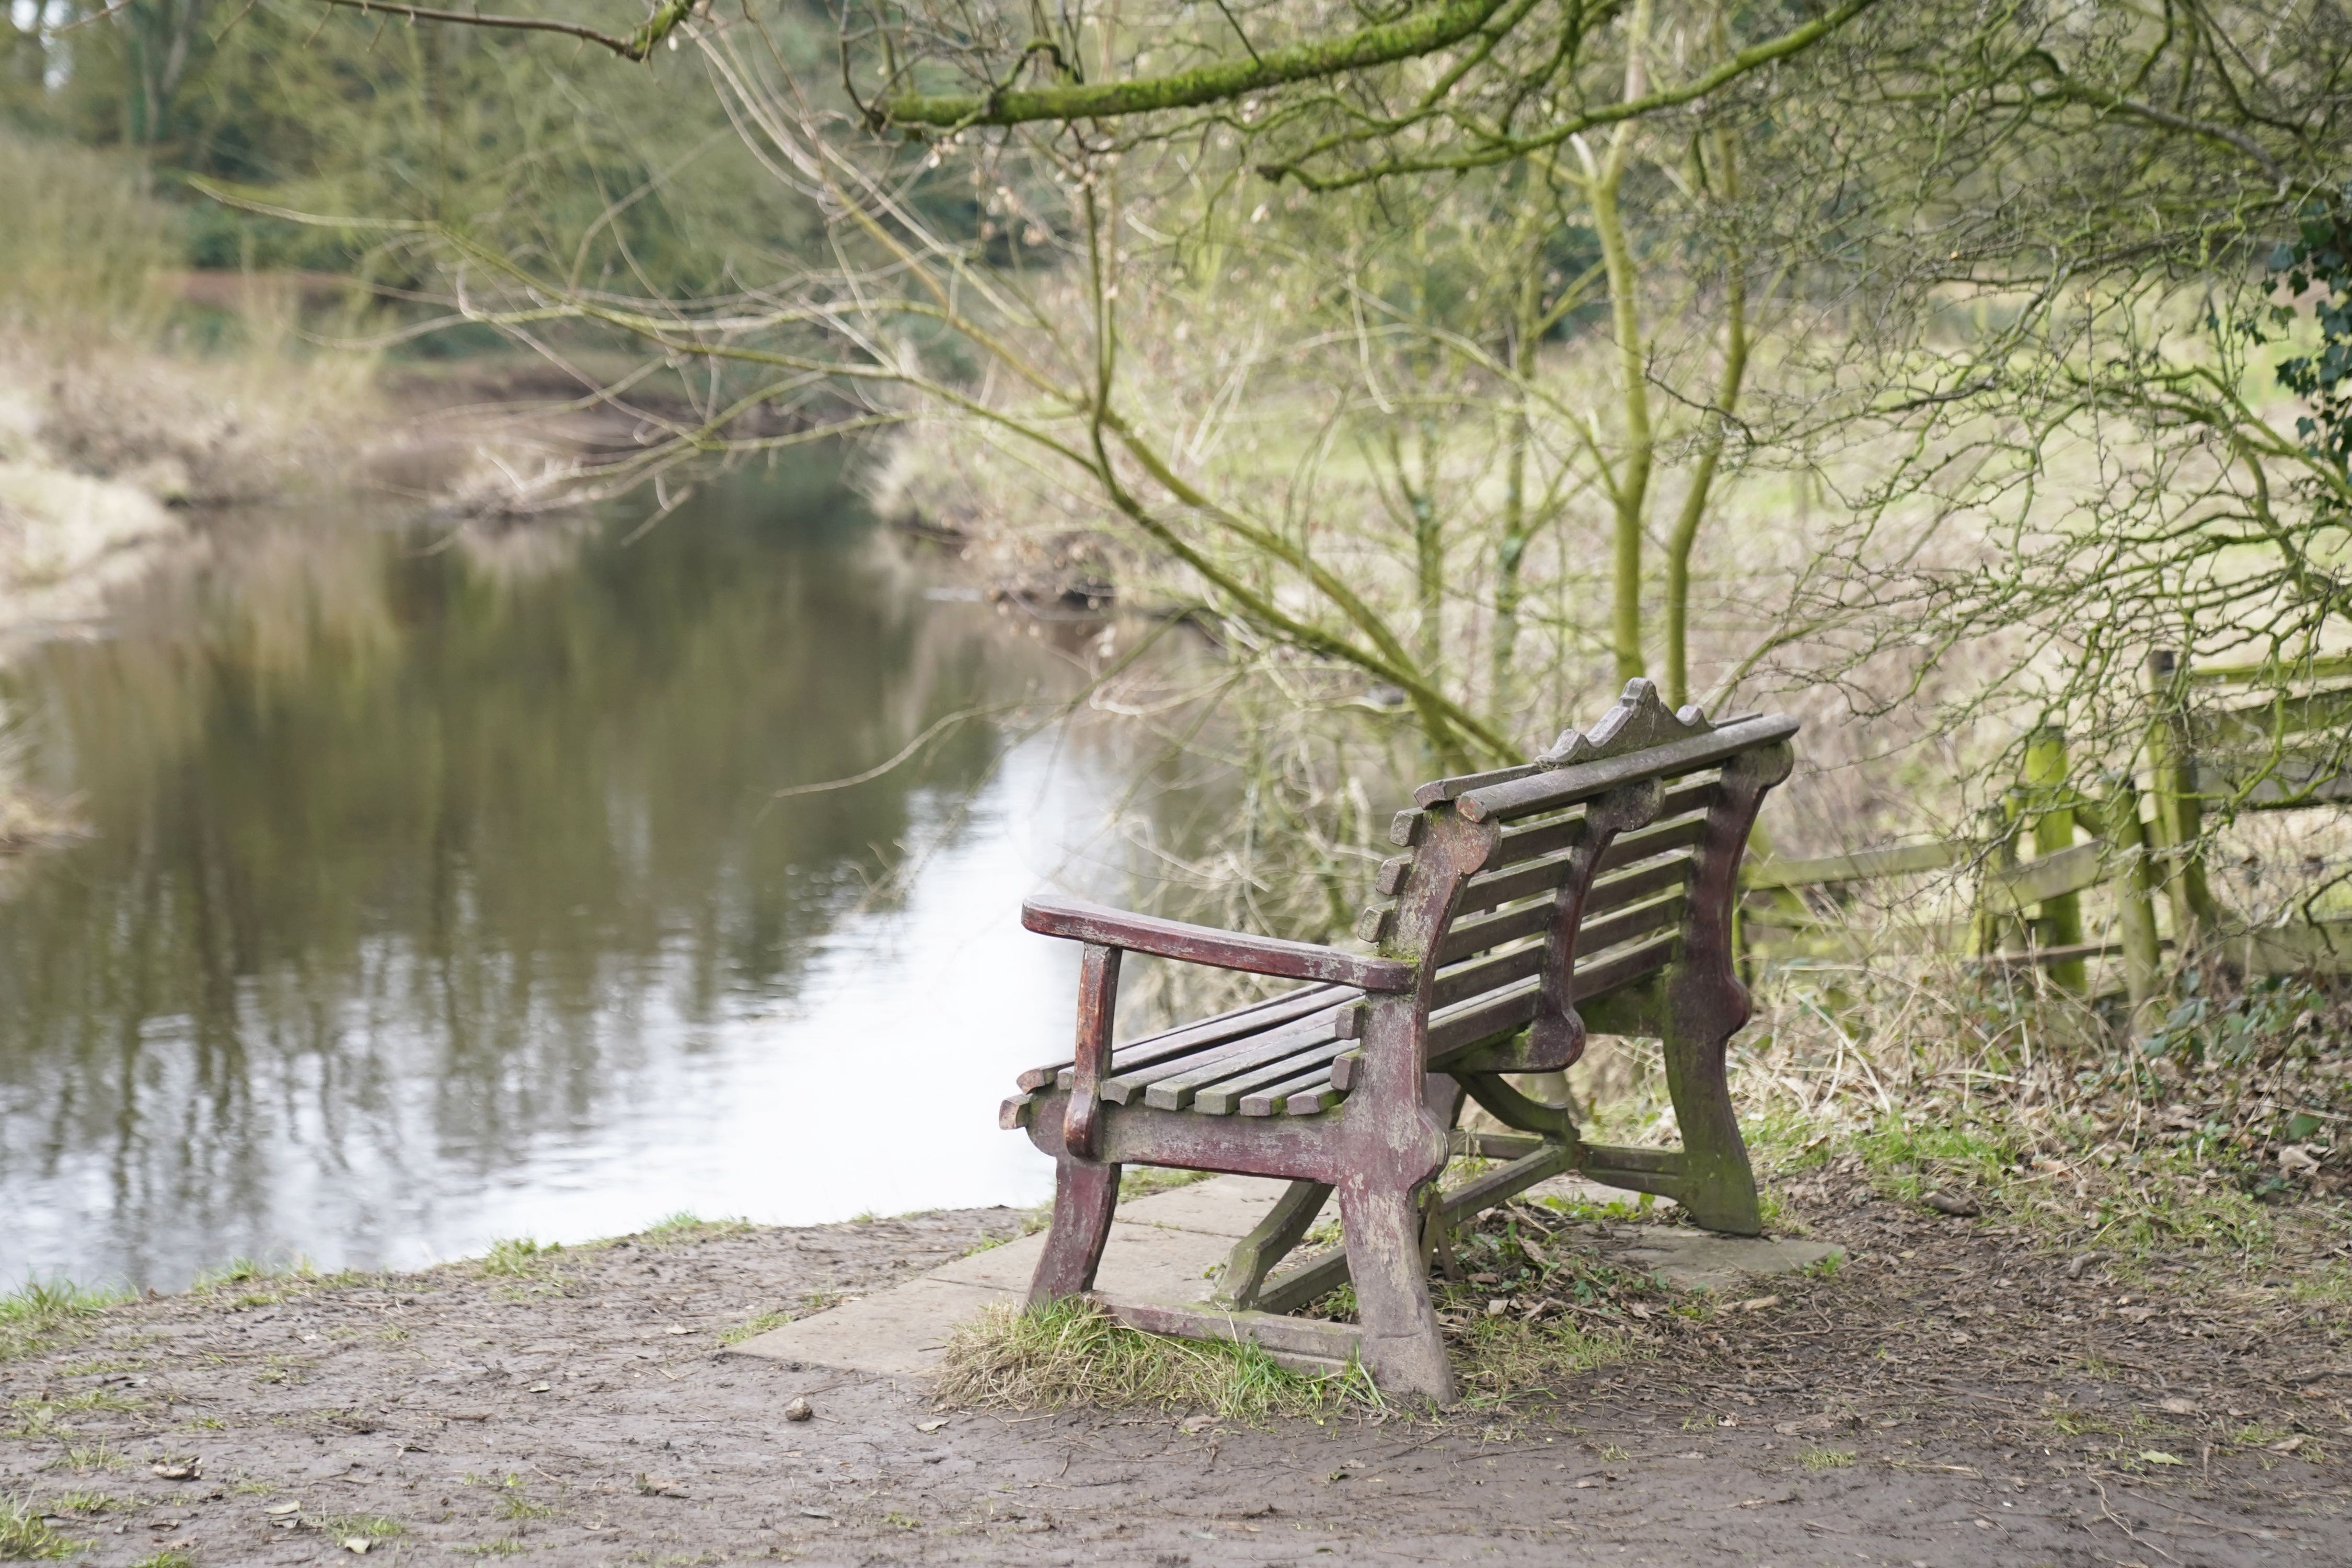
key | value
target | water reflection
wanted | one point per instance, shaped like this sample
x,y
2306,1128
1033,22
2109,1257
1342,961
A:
x,y
437,894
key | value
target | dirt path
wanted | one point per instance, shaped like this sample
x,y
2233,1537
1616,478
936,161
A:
x,y
1948,1399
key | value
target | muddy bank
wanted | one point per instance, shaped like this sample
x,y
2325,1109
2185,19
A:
x,y
1947,1398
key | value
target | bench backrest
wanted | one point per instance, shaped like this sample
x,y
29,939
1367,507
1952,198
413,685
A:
x,y
1613,856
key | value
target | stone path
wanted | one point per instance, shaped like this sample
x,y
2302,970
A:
x,y
1165,1247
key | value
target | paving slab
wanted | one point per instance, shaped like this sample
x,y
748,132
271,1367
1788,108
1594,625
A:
x,y
1155,1261
899,1333
1165,1247
1229,1206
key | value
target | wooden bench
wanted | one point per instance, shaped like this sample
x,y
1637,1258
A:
x,y
1592,888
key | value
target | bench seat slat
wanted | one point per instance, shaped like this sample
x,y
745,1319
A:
x,y
1224,1097
1176,1090
1307,1093
1185,1038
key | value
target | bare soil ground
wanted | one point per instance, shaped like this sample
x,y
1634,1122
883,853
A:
x,y
1949,1397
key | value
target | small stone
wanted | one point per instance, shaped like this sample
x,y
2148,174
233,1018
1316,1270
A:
x,y
799,1409
1946,1203
929,1426
1498,1306
357,1543
2176,1406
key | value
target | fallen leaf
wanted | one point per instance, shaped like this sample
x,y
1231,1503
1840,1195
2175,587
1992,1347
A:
x,y
283,1508
815,1513
1755,1304
2286,1447
799,1409
542,1387
1638,1310
2156,1456
678,1329
660,1486
2176,1406
1197,1423
929,1426
358,1543
1498,1306
1959,1207
178,1469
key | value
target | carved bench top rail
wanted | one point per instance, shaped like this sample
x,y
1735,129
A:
x,y
1556,787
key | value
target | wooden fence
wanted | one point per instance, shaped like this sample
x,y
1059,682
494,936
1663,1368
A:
x,y
2143,838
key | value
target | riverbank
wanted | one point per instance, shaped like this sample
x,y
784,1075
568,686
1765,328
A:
x,y
1949,1396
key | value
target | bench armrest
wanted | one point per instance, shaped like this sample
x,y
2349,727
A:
x,y
1081,921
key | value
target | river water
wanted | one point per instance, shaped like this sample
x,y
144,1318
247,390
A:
x,y
438,891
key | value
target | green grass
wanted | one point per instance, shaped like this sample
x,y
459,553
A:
x,y
682,1226
518,1257
79,1501
1071,1353
1503,1358
754,1328
504,1546
1142,1180
170,1557
1826,1459
514,1502
82,1458
360,1526
24,1534
38,1316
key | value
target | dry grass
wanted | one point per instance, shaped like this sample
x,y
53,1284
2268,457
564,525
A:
x,y
1072,1353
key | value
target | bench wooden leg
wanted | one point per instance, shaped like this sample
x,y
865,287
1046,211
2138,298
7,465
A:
x,y
1254,1254
1402,1345
1085,1196
1718,1186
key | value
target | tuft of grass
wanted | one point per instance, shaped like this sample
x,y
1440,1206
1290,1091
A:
x,y
41,1315
79,1501
1826,1459
504,1546
1072,1353
244,1282
82,1458
364,1526
514,1502
170,1557
682,1226
518,1257
24,1533
1504,1358
754,1328
1142,1180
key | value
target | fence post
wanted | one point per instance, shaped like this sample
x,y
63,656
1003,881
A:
x,y
2061,924
2179,826
2135,908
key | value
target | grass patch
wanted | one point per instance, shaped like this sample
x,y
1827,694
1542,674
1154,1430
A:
x,y
38,1316
514,1503
244,1282
356,1526
1142,1180
24,1534
170,1557
78,1501
754,1328
1071,1353
518,1257
504,1546
682,1228
1826,1459
1503,1358
82,1458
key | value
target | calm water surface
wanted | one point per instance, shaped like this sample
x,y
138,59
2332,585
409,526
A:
x,y
436,892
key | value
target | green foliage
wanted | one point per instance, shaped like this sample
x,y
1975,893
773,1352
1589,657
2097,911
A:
x,y
1826,1459
683,1227
1071,1353
84,237
518,1257
2318,262
37,1315
24,1534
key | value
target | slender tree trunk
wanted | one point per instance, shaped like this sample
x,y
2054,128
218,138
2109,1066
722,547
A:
x,y
1694,512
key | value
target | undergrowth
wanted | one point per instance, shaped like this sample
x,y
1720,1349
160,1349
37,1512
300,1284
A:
x,y
1071,1353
